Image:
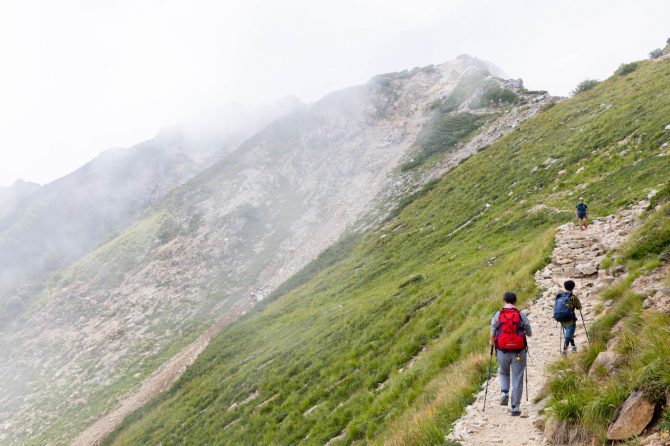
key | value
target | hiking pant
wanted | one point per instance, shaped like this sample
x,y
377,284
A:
x,y
570,334
516,364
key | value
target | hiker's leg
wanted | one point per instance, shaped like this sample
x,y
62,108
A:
x,y
570,335
504,361
518,369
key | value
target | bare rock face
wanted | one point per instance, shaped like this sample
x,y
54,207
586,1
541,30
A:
x,y
607,360
635,415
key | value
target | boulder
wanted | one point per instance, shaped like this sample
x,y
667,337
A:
x,y
586,269
607,360
634,416
571,271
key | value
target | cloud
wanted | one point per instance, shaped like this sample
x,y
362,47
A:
x,y
82,76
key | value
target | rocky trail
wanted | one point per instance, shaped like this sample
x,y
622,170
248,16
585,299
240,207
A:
x,y
577,255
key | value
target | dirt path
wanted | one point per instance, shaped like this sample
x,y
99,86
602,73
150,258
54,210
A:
x,y
159,381
577,256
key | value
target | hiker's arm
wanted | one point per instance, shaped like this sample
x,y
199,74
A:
x,y
526,325
577,303
494,325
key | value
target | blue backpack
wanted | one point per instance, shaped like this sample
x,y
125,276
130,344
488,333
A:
x,y
562,312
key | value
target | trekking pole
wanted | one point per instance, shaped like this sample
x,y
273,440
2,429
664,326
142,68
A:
x,y
584,324
560,338
527,356
488,377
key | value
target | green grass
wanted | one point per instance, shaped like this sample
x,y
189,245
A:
x,y
495,95
442,134
423,286
655,239
626,68
588,402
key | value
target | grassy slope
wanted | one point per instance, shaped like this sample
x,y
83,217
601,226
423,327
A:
x,y
588,404
431,277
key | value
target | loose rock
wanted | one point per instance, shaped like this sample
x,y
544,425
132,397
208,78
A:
x,y
634,416
606,360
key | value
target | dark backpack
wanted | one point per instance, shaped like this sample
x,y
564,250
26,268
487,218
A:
x,y
510,335
562,312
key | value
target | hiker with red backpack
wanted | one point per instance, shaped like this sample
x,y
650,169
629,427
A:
x,y
509,330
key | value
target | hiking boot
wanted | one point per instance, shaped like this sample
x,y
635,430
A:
x,y
574,349
516,411
504,399
564,351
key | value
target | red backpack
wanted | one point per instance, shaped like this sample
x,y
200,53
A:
x,y
510,335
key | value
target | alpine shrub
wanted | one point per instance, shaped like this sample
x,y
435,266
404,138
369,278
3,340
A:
x,y
547,106
626,68
585,85
496,95
655,54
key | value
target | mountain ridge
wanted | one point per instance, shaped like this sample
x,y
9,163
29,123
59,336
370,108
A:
x,y
234,232
61,221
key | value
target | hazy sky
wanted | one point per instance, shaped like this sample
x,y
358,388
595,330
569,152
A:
x,y
81,76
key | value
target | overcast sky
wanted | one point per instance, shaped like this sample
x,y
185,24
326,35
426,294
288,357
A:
x,y
80,76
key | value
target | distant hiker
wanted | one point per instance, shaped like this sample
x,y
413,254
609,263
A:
x,y
509,329
582,214
564,312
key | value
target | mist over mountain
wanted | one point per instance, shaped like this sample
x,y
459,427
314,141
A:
x,y
11,196
44,230
223,240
